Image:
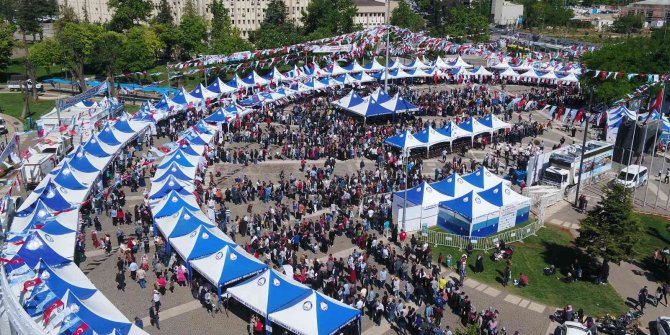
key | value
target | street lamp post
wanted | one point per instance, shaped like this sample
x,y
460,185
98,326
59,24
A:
x,y
581,157
405,156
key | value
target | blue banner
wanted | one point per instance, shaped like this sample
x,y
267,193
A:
x,y
89,93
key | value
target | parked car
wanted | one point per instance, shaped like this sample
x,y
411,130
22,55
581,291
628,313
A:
x,y
572,328
19,85
663,325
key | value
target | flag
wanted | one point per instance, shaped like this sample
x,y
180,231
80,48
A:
x,y
30,283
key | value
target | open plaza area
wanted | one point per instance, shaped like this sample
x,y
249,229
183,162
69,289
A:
x,y
475,192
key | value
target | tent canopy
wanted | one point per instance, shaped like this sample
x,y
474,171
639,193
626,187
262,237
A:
x,y
227,265
201,242
326,315
268,292
182,222
404,141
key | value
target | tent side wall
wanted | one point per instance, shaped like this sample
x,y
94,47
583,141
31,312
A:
x,y
452,222
416,215
485,225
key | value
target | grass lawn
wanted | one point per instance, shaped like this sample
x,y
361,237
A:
x,y
12,104
550,246
657,237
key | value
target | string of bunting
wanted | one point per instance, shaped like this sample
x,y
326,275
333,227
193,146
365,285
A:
x,y
616,75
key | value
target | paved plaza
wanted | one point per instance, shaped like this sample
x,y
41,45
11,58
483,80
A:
x,y
182,314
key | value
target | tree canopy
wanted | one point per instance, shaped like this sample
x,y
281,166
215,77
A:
x,y
403,16
276,29
194,31
610,231
324,18
463,23
6,43
628,24
635,55
128,13
545,13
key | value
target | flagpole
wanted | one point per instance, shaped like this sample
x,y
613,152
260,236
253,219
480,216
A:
x,y
641,157
630,151
653,150
405,155
386,66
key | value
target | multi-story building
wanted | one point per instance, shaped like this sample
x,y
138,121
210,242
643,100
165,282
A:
x,y
372,13
506,13
656,13
246,15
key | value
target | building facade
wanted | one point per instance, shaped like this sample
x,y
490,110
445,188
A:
x,y
506,13
246,15
372,13
656,13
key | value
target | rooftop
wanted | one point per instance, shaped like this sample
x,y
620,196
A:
x,y
371,3
653,2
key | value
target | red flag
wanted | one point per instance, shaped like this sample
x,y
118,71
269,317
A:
x,y
30,283
11,261
81,329
50,309
657,103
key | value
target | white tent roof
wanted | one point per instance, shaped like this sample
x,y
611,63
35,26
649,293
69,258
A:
x,y
509,73
570,78
481,72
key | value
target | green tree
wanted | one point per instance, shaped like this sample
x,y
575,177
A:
x,y
610,231
27,13
276,14
77,40
170,37
139,49
465,24
164,14
276,29
6,43
628,24
109,49
543,13
46,53
194,31
324,18
637,55
128,13
225,38
403,16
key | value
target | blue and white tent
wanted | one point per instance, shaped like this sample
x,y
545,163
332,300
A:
x,y
36,245
453,131
484,179
219,87
422,195
108,136
68,177
60,278
404,141
178,158
373,66
169,185
252,80
615,117
505,198
227,265
201,242
175,170
326,315
202,93
453,186
165,103
96,314
49,194
79,161
41,218
184,98
183,222
97,148
469,215
172,203
430,137
124,125
494,123
415,64
348,101
363,77
473,127
268,292
370,108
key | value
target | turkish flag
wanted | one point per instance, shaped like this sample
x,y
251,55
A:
x,y
50,309
30,283
81,329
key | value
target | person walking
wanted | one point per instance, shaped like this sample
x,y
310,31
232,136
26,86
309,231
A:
x,y
642,298
154,317
142,277
139,323
156,299
120,281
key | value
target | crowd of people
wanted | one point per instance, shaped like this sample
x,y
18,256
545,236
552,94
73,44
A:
x,y
290,220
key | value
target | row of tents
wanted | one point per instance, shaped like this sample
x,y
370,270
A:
x,y
42,276
311,78
207,250
618,115
452,131
376,104
478,204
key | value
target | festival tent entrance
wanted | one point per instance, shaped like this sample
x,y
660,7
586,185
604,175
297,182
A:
x,y
469,215
421,206
404,141
327,315
269,292
227,265
183,222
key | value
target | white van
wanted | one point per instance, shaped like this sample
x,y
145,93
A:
x,y
632,176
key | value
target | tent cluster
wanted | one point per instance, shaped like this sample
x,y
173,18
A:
x,y
311,78
477,205
428,137
206,249
617,115
39,251
376,104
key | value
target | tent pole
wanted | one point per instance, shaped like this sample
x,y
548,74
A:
x,y
404,206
